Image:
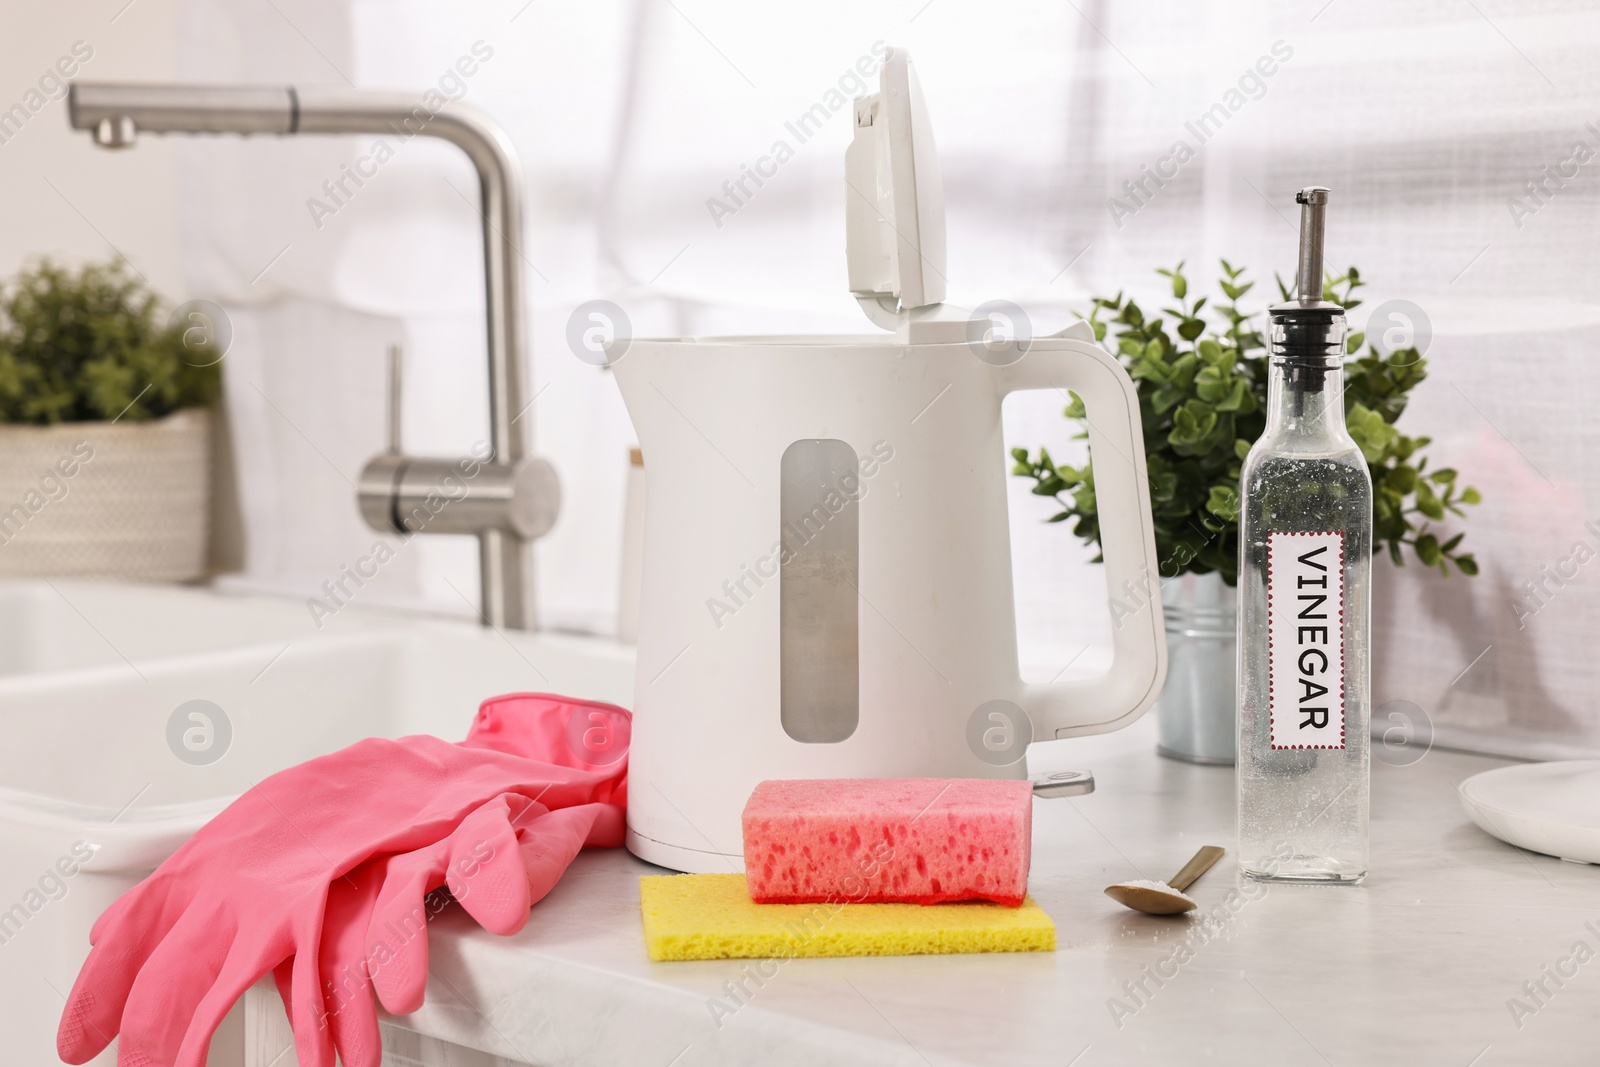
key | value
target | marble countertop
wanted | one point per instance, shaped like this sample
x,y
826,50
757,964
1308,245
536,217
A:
x,y
1424,964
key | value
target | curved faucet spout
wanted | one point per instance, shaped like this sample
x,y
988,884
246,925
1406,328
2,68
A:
x,y
115,114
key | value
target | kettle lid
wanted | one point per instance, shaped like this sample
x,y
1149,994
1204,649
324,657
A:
x,y
894,214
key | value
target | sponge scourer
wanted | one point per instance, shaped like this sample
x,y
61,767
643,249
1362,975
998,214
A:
x,y
711,916
908,840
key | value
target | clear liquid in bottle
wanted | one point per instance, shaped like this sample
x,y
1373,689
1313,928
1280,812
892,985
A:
x,y
1305,575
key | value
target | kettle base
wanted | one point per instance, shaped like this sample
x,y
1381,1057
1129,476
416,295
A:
x,y
678,858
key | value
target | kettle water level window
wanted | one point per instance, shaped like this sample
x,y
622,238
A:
x,y
819,620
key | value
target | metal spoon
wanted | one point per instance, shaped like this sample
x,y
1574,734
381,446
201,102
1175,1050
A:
x,y
1165,898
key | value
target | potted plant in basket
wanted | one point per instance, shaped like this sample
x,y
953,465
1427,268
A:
x,y
1202,383
105,436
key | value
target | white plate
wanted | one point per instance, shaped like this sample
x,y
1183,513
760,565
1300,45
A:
x,y
1553,808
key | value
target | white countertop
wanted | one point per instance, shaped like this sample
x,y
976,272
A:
x,y
1415,967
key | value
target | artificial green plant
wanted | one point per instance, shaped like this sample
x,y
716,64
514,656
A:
x,y
92,344
1202,388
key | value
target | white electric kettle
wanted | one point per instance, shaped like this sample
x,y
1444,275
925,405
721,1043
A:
x,y
827,568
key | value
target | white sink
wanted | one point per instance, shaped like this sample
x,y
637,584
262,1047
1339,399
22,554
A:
x,y
62,625
85,704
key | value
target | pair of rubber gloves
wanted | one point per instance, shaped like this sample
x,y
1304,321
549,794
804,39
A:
x,y
321,875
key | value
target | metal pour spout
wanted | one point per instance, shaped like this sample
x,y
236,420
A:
x,y
1313,201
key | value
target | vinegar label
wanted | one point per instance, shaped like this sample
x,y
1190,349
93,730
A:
x,y
1305,639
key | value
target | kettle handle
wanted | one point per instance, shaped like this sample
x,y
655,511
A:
x,y
1127,538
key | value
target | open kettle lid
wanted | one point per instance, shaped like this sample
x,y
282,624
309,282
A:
x,y
894,214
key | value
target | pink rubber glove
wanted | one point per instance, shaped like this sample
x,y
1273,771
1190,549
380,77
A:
x,y
502,859
496,865
544,848
249,892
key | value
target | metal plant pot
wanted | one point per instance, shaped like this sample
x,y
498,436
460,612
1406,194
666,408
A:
x,y
1197,713
126,500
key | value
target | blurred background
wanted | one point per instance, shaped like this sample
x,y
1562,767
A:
x,y
1459,140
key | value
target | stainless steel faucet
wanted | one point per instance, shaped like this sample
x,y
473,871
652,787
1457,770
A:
x,y
513,498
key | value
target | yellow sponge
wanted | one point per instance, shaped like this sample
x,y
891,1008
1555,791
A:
x,y
711,917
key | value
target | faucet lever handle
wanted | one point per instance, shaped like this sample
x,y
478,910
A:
x,y
396,365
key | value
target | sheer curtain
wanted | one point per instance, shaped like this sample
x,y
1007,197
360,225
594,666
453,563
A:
x,y
1429,122
1058,129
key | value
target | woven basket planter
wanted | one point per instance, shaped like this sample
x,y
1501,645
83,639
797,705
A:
x,y
126,500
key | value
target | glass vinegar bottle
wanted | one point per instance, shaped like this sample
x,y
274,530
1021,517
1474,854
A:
x,y
1305,573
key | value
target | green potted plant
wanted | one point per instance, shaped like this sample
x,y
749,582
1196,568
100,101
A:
x,y
105,434
1201,375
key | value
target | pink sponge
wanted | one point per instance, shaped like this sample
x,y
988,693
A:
x,y
908,840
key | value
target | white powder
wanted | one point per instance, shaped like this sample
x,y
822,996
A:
x,y
1159,887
